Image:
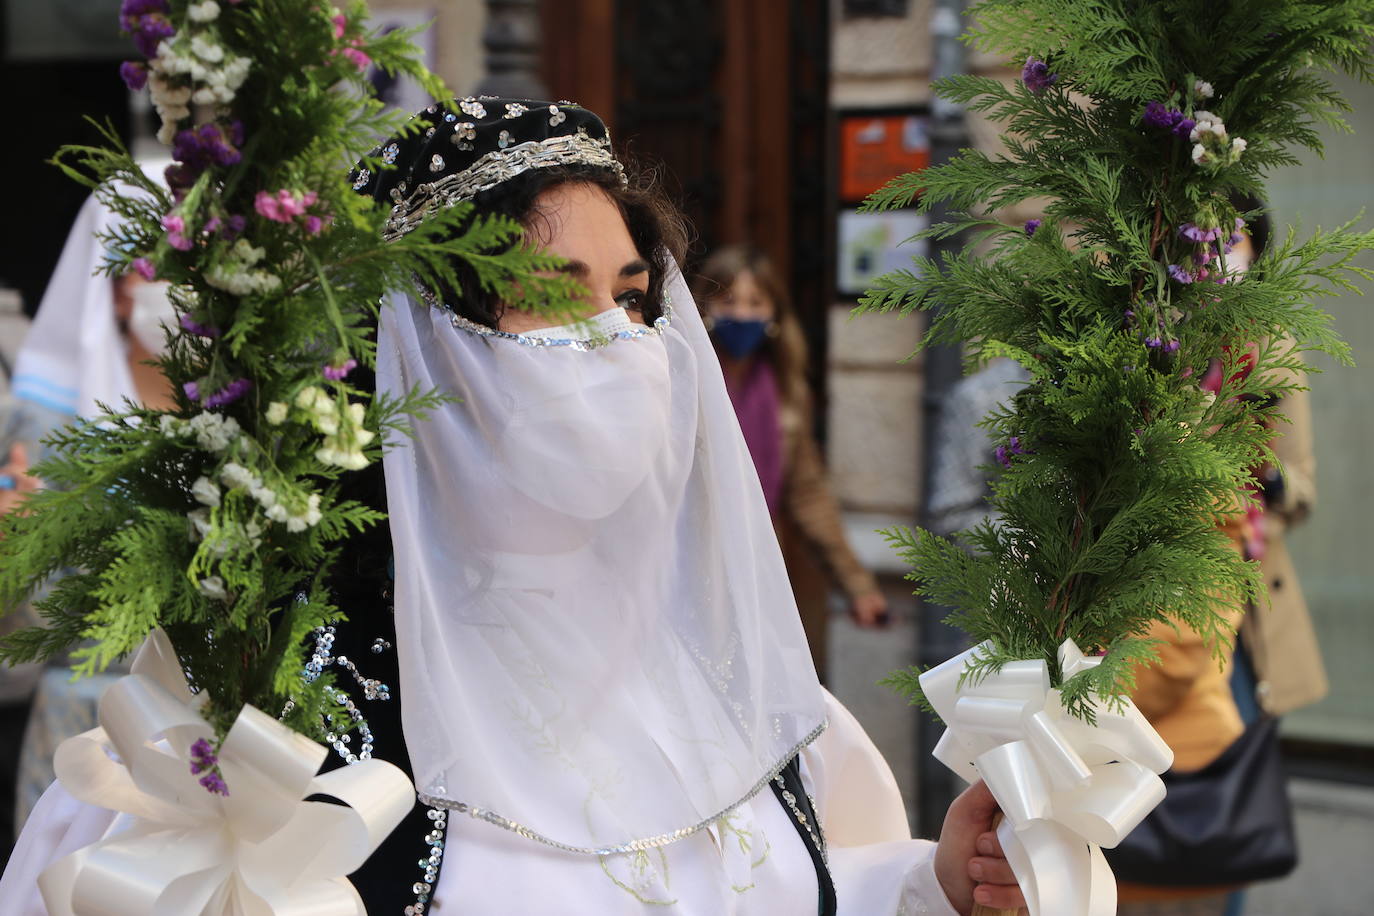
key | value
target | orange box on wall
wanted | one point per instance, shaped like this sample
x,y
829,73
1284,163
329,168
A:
x,y
875,148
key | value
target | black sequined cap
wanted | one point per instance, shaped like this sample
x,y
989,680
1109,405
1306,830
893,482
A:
x,y
477,145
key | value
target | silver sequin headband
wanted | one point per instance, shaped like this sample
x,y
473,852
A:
x,y
494,168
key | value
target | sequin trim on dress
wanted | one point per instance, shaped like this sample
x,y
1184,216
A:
x,y
491,817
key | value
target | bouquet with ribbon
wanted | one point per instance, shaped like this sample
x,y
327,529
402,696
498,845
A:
x,y
213,526
1137,125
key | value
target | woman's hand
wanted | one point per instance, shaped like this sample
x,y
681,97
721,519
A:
x,y
869,610
969,861
15,481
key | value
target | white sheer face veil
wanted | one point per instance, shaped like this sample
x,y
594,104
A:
x,y
598,642
74,355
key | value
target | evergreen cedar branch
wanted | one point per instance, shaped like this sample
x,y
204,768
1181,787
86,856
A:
x,y
122,527
1120,467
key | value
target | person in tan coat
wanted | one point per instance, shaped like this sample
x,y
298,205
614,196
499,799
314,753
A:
x,y
1188,697
763,355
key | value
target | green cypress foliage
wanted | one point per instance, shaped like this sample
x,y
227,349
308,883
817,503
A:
x,y
1119,467
219,520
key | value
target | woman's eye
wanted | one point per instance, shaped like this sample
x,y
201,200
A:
x,y
632,299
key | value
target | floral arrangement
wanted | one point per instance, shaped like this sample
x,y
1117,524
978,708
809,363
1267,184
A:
x,y
218,521
1140,127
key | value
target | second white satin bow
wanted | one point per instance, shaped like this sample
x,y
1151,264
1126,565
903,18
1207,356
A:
x,y
1066,788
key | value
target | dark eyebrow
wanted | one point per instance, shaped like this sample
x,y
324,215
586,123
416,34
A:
x,y
580,269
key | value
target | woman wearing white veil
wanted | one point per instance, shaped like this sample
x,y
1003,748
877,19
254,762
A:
x,y
606,698
89,344
601,662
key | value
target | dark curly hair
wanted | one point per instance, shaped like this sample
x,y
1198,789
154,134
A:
x,y
654,223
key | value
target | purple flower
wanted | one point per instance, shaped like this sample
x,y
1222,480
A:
x,y
1183,126
1130,313
149,31
1178,274
1197,234
202,756
1037,76
199,148
179,177
234,224
131,8
204,760
1171,346
195,327
338,373
1154,342
229,393
134,74
1157,115
1004,452
1031,226
144,268
192,390
213,782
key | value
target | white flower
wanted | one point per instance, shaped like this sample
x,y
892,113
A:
x,y
244,251
175,96
213,587
266,498
1200,154
200,523
206,491
1203,89
277,513
203,12
334,453
307,397
170,426
276,413
236,475
214,432
203,97
206,50
1237,147
312,510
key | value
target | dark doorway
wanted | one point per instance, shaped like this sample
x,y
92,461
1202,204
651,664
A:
x,y
732,100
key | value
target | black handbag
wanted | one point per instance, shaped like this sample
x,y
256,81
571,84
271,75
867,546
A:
x,y
1229,823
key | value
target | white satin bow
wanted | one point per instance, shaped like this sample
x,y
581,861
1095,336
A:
x,y
1066,788
260,851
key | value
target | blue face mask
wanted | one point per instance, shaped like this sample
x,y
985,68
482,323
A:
x,y
739,338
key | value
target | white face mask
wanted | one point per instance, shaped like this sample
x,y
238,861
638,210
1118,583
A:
x,y
608,323
151,313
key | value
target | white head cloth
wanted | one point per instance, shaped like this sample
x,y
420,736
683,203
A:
x,y
73,354
599,646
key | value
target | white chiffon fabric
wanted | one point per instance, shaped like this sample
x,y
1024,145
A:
x,y
73,355
598,642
